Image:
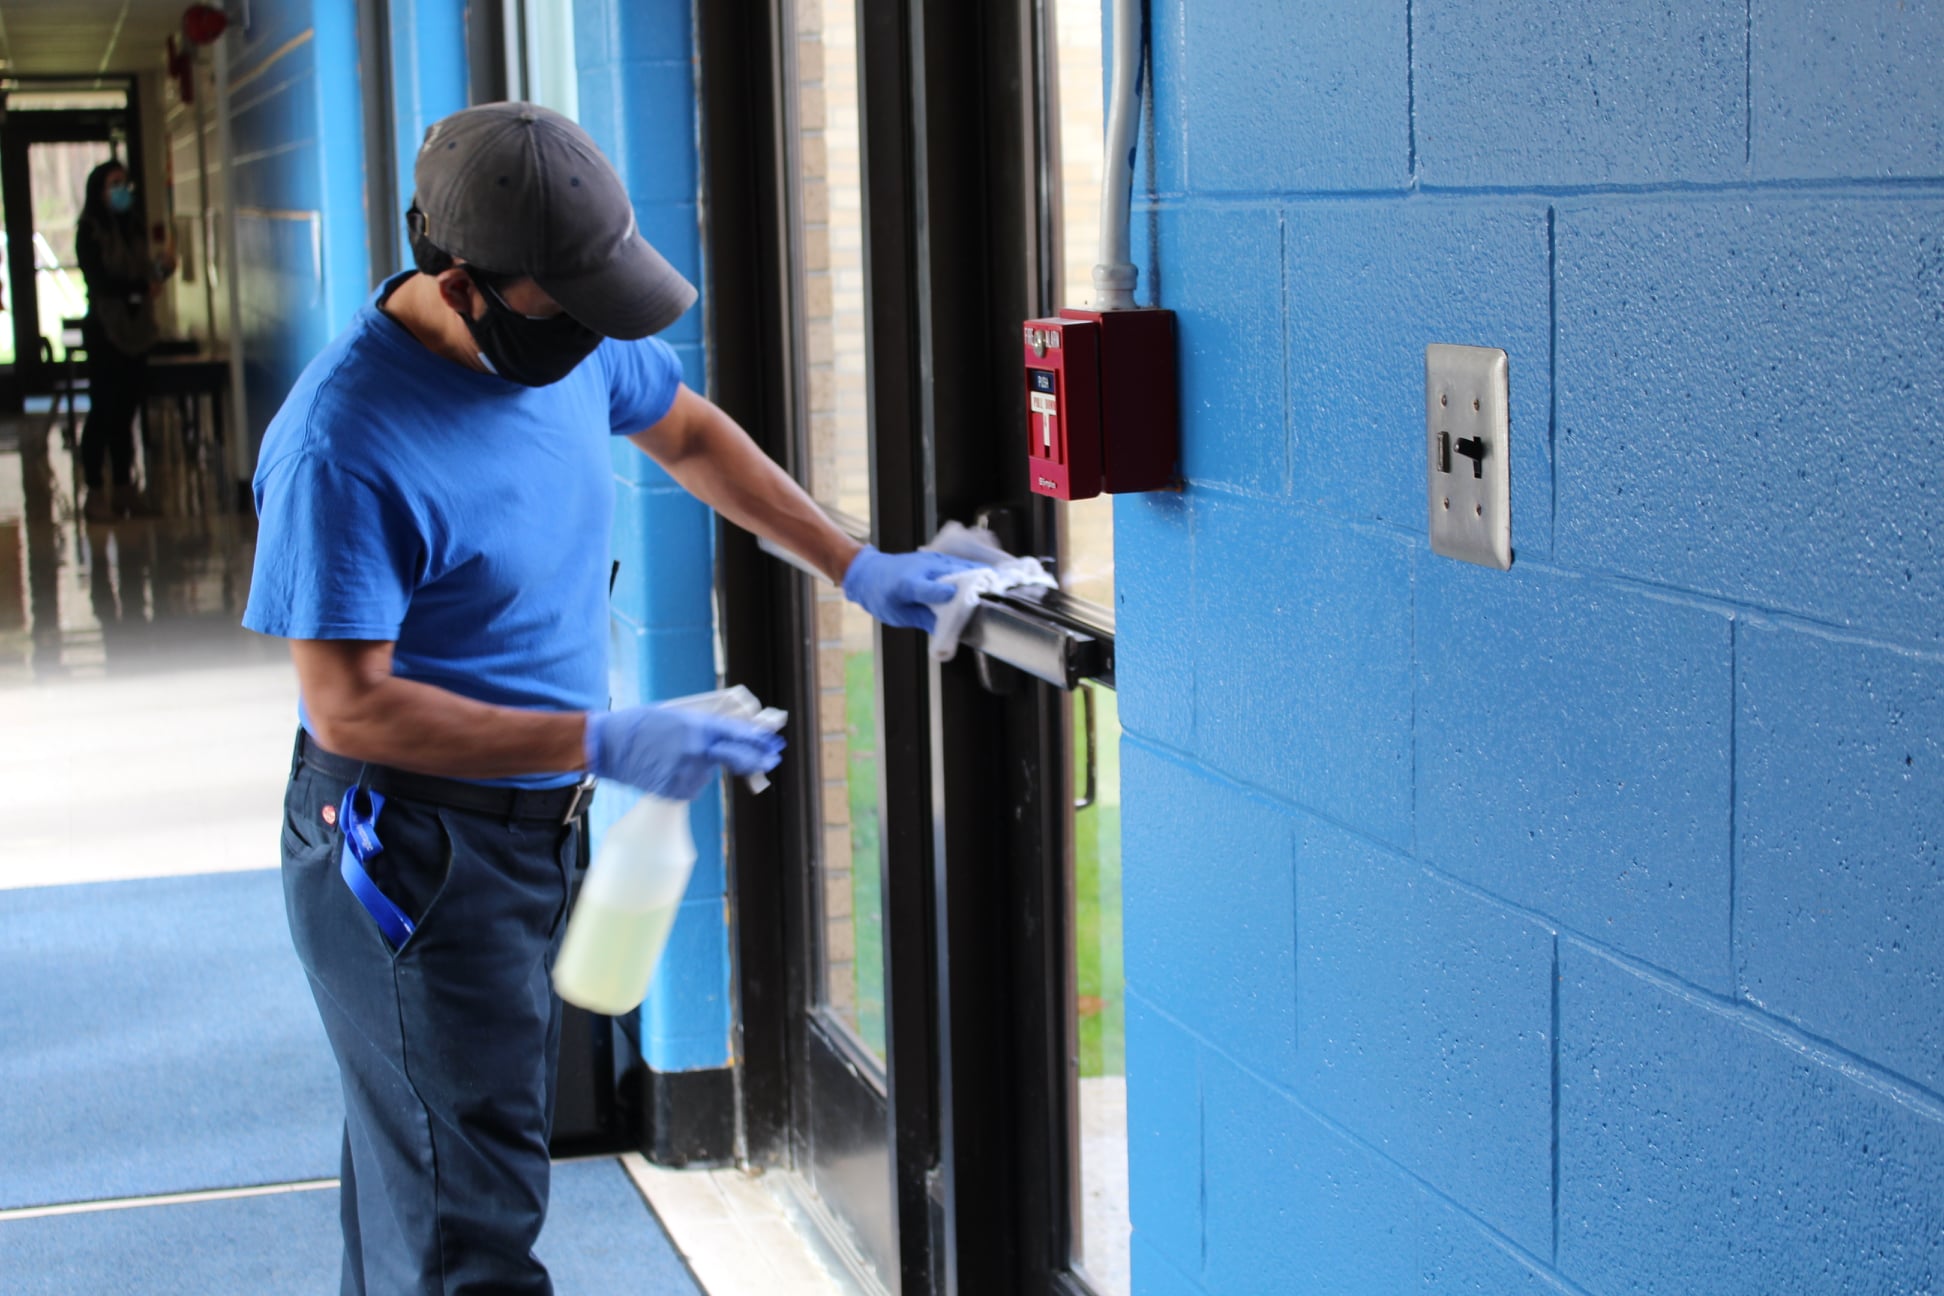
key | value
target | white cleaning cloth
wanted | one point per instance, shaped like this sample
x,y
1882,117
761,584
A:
x,y
1001,571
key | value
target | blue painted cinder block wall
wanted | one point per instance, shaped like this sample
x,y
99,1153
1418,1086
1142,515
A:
x,y
1578,928
428,81
298,186
637,99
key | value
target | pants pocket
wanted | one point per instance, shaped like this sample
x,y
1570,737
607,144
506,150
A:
x,y
415,862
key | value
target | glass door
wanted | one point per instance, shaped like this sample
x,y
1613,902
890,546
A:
x,y
831,356
912,991
48,143
842,1079
1096,1012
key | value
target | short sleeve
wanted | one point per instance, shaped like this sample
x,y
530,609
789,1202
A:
x,y
336,558
643,377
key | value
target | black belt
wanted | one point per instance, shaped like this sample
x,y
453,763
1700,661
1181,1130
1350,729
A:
x,y
550,805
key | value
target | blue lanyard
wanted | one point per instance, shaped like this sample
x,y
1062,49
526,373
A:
x,y
360,845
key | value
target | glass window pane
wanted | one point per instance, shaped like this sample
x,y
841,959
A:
x,y
1099,1013
831,204
852,858
1088,568
831,337
58,174
6,293
1100,1008
548,56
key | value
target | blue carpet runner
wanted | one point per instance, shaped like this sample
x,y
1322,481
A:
x,y
600,1240
158,1037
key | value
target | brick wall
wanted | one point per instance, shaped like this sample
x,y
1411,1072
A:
x,y
1578,928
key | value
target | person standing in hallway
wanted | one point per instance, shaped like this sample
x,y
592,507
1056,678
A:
x,y
122,275
435,498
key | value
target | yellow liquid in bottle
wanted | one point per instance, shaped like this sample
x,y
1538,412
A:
x,y
610,954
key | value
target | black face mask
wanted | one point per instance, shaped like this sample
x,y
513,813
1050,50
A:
x,y
522,349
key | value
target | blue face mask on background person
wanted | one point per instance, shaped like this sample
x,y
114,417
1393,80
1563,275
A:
x,y
121,199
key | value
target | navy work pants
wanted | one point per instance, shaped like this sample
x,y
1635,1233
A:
x,y
447,1048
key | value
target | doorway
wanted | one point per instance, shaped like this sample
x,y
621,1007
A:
x,y
51,136
925,920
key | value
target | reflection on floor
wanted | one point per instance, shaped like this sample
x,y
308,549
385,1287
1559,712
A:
x,y
147,735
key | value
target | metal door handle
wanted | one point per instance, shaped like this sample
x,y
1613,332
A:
x,y
1087,798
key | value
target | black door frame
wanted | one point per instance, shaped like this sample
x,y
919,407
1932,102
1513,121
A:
x,y
954,102
19,132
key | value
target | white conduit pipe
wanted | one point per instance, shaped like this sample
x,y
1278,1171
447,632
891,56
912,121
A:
x,y
1114,277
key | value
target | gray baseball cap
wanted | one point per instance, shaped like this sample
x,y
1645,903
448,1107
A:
x,y
518,189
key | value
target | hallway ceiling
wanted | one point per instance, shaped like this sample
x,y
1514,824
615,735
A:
x,y
85,37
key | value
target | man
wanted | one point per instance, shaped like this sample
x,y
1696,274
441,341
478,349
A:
x,y
435,498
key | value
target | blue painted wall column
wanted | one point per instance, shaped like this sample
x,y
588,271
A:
x,y
638,101
428,81
1576,929
297,183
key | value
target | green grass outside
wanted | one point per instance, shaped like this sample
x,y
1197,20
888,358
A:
x,y
1097,876
1097,894
867,878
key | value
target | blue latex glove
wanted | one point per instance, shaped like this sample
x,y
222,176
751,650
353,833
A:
x,y
674,752
898,589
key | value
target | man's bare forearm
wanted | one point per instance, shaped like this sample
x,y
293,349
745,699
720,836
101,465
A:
x,y
419,727
715,461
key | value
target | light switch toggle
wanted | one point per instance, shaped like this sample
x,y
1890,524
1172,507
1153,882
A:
x,y
1467,414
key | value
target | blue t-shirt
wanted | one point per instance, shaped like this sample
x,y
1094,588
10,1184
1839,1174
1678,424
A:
x,y
463,518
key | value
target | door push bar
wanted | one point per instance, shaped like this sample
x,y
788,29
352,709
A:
x,y
1045,633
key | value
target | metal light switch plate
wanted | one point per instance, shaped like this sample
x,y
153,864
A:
x,y
1468,440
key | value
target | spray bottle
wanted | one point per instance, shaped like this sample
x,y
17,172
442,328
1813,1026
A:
x,y
620,923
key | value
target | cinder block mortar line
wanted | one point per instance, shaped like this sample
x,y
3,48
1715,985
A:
x,y
660,627
1755,613
1197,765
1282,318
1201,1159
686,64
1909,1092
1176,1269
1912,1093
1874,1076
1838,635
1354,1139
1555,1099
1412,734
1870,187
1748,83
1375,528
1410,83
1734,802
1194,603
1194,765
1552,378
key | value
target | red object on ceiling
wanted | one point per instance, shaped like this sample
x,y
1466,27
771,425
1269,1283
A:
x,y
203,23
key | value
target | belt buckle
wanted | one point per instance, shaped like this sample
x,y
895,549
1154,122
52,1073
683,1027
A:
x,y
578,802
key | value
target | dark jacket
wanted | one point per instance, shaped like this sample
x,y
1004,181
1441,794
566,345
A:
x,y
119,270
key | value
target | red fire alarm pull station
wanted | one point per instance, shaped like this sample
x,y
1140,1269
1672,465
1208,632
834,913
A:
x,y
1101,403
